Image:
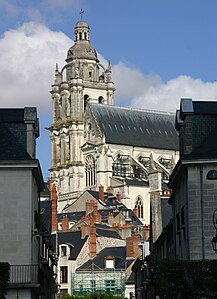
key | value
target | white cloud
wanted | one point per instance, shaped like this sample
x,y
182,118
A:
x,y
27,64
150,92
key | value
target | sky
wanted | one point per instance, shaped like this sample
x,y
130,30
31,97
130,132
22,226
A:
x,y
160,51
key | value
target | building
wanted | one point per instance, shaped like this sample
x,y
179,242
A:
x,y
194,197
22,244
96,143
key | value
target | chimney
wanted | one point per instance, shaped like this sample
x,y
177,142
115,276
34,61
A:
x,y
101,192
65,223
92,241
89,206
54,208
135,211
132,246
96,215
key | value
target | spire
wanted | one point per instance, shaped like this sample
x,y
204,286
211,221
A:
x,y
58,77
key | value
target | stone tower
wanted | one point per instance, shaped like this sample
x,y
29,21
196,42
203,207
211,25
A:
x,y
83,79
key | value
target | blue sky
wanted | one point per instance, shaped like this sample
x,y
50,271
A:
x,y
160,51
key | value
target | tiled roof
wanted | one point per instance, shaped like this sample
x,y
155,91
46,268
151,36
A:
x,y
140,128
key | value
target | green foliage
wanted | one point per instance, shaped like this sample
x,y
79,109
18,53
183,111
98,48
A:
x,y
92,296
4,279
186,279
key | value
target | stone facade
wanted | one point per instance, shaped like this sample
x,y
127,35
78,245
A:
x,y
95,143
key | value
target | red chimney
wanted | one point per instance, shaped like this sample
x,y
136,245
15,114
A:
x,y
101,192
132,246
135,211
65,223
54,208
92,241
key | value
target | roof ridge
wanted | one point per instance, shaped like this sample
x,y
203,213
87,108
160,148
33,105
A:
x,y
135,109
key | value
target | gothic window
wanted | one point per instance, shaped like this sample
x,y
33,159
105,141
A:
x,y
139,206
121,167
86,100
90,170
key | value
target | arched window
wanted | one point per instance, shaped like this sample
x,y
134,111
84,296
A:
x,y
101,100
86,100
139,206
90,170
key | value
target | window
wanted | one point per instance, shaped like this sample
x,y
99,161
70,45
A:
x,y
64,274
86,100
63,250
90,170
139,207
101,100
109,263
93,286
110,286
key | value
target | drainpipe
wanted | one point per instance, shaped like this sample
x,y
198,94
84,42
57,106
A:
x,y
201,208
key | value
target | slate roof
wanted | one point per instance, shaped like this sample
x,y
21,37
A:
x,y
119,253
13,135
73,239
140,128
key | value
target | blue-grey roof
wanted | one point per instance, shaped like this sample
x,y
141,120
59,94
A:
x,y
13,135
140,128
72,238
119,253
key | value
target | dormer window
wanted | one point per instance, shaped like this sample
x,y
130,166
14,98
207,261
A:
x,y
109,262
63,250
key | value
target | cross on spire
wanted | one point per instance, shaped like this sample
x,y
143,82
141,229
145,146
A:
x,y
81,12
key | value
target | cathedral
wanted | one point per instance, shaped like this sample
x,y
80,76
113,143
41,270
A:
x,y
129,152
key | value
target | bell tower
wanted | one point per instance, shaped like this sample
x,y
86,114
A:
x,y
82,80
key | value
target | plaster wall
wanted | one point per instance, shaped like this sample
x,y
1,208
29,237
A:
x,y
16,214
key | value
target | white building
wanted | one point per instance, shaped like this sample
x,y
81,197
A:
x,y
96,143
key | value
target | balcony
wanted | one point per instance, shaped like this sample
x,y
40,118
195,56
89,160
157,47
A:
x,y
25,276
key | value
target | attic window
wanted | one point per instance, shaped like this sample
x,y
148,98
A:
x,y
42,211
63,250
109,262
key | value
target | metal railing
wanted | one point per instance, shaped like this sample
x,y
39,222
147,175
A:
x,y
24,274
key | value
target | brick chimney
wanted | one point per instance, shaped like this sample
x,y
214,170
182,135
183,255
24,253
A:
x,y
135,211
65,223
92,241
54,208
101,192
96,215
89,206
132,246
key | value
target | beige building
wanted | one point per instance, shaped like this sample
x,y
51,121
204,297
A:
x,y
96,143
